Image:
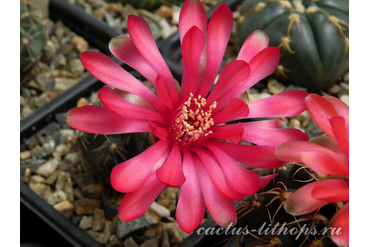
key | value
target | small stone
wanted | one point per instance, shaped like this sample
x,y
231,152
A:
x,y
25,154
150,243
56,197
127,228
84,179
167,32
173,234
99,13
64,183
37,179
86,206
63,83
113,7
79,44
58,62
86,222
27,173
76,219
82,102
68,135
26,111
65,208
97,236
98,220
47,147
150,233
334,90
295,123
175,15
160,210
108,228
255,97
275,87
52,178
109,19
48,167
110,209
42,190
175,226
346,77
164,11
93,190
76,67
60,150
72,158
345,99
77,193
36,163
130,242
168,198
113,239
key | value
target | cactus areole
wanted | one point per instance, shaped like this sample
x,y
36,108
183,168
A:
x,y
313,37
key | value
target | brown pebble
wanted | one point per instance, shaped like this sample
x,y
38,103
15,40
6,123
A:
x,y
65,208
80,44
164,11
82,102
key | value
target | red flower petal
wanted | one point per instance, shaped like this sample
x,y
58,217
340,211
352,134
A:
x,y
170,173
190,207
271,137
341,108
265,180
321,110
218,33
329,143
340,226
240,178
302,201
326,162
142,37
318,158
217,175
124,49
192,14
273,123
136,203
255,43
158,130
235,109
162,92
286,104
106,70
131,174
85,119
231,75
341,134
220,207
191,49
126,109
230,132
337,191
251,156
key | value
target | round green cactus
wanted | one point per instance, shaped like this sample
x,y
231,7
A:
x,y
313,37
32,37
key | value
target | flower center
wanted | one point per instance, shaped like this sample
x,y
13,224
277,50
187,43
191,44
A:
x,y
192,121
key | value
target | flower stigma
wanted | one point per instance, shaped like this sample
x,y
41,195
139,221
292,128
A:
x,y
192,121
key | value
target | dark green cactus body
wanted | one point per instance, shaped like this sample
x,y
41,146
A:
x,y
269,224
32,37
148,4
103,152
312,36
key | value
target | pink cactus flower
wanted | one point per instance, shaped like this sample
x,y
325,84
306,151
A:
x,y
194,147
329,155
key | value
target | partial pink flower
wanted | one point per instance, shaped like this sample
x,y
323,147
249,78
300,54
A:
x,y
196,148
327,155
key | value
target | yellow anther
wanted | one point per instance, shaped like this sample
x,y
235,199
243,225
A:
x,y
193,123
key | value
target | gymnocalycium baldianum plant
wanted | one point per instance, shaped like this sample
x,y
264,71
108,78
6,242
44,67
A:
x,y
313,36
195,145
